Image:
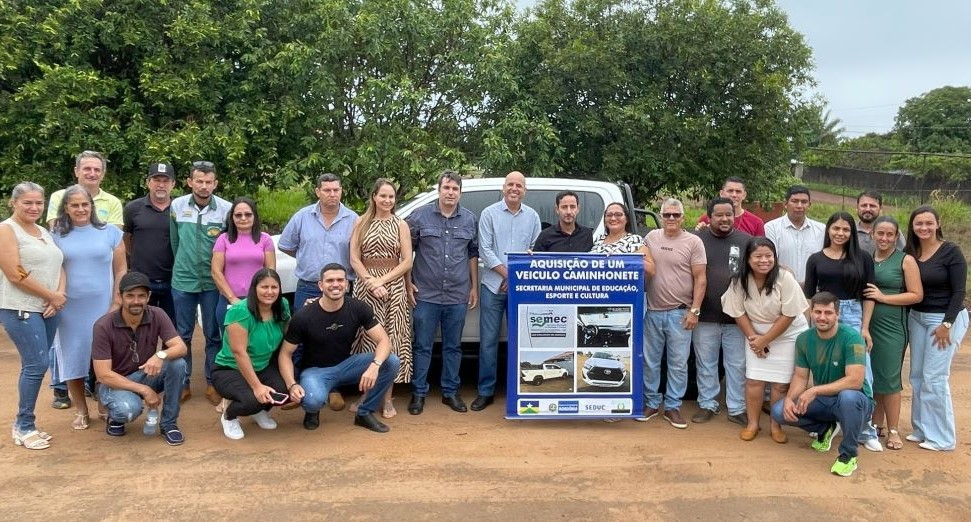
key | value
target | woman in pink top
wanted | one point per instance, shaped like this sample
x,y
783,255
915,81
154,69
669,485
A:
x,y
239,252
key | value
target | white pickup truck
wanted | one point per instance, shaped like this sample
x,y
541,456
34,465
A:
x,y
478,193
536,376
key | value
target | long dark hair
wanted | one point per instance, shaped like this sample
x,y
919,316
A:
x,y
913,244
232,232
853,268
63,225
252,302
741,277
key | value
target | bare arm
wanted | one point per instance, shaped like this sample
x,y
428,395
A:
x,y
238,342
119,267
357,264
650,269
914,290
800,379
382,350
285,364
10,265
474,276
219,277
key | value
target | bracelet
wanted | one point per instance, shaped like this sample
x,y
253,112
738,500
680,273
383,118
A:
x,y
292,385
376,363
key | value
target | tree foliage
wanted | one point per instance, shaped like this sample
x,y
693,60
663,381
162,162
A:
x,y
670,95
273,91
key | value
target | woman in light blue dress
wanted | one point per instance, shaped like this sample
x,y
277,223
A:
x,y
94,261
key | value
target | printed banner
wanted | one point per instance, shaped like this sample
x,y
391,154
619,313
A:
x,y
575,336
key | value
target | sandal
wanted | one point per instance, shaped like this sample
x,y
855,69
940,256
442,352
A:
x,y
81,421
893,440
32,440
389,410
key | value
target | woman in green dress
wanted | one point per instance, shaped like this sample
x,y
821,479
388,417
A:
x,y
897,286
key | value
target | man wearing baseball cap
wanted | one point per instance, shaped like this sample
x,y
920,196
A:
x,y
147,235
131,368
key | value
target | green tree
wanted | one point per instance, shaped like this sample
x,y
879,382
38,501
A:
x,y
670,95
937,121
273,91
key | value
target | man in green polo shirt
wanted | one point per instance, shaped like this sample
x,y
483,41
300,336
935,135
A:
x,y
835,355
197,220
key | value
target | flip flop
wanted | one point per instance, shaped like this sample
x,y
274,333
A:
x,y
893,440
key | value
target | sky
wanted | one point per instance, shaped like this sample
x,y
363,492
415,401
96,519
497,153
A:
x,y
872,56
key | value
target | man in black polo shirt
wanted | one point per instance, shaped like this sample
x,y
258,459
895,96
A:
x,y
131,368
567,235
147,235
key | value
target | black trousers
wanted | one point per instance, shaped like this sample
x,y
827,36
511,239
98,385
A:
x,y
230,384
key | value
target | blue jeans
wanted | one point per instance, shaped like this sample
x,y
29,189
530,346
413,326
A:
x,y
427,318
851,314
318,382
851,408
222,304
709,339
931,412
125,406
492,308
162,297
663,334
32,337
185,323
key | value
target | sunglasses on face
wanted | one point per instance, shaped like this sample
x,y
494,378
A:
x,y
242,215
671,215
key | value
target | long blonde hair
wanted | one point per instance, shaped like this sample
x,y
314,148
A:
x,y
368,217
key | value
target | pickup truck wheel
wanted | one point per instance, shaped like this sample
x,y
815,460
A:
x,y
537,380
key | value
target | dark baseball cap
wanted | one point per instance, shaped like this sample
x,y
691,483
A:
x,y
161,169
134,280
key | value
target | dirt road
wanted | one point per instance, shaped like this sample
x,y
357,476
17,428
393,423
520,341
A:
x,y
474,466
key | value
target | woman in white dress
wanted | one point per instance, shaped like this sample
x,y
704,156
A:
x,y
768,305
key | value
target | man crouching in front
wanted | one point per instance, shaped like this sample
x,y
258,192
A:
x,y
835,354
327,329
131,369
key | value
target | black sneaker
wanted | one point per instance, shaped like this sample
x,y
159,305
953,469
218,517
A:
x,y
115,429
173,437
61,400
311,421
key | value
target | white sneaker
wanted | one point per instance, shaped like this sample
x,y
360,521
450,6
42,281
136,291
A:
x,y
873,445
264,420
914,438
231,428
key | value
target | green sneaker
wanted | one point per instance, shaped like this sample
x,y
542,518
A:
x,y
825,442
844,466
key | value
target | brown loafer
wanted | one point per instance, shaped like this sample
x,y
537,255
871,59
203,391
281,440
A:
x,y
748,435
780,436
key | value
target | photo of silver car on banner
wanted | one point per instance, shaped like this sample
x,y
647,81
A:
x,y
575,336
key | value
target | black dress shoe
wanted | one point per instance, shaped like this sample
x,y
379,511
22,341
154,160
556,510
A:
x,y
481,402
417,405
455,402
370,422
311,421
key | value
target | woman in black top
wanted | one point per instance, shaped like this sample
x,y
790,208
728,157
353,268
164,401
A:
x,y
844,270
937,326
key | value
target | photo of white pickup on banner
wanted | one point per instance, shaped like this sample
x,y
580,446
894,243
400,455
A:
x,y
575,336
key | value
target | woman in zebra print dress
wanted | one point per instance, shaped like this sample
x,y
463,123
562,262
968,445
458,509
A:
x,y
381,257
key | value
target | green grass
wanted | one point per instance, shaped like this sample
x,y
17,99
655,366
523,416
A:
x,y
278,206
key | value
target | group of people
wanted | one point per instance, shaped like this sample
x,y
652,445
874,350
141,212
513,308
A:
x,y
820,314
374,290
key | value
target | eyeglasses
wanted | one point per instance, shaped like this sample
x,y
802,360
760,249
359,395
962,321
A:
x,y
671,215
616,215
242,215
203,165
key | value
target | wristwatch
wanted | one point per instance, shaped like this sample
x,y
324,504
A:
x,y
947,324
696,311
161,354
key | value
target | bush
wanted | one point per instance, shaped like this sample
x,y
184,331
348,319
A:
x,y
277,206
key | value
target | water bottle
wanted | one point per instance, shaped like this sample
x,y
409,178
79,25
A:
x,y
151,422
